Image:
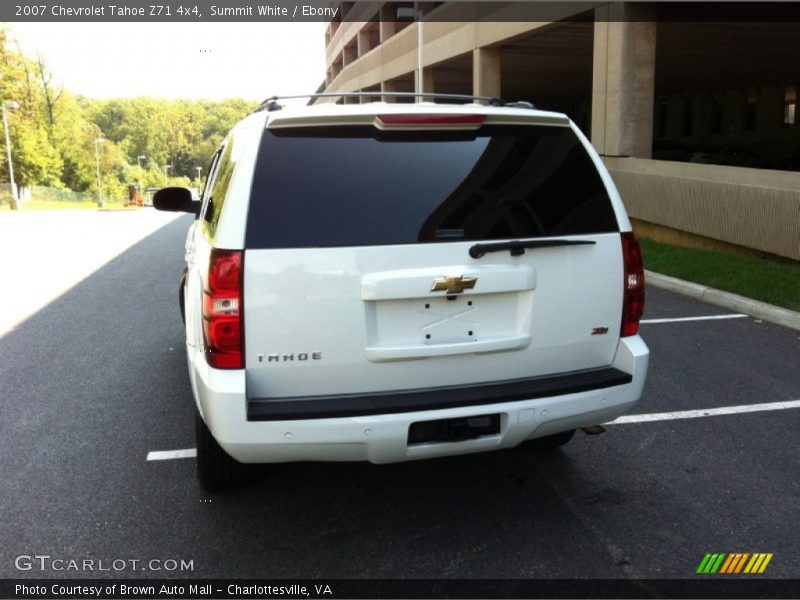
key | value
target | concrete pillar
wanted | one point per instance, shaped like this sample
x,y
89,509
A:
x,y
388,27
486,72
623,79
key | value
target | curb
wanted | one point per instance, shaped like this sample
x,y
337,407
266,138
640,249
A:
x,y
754,308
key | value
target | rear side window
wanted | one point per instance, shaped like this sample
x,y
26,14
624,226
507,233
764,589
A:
x,y
359,186
217,185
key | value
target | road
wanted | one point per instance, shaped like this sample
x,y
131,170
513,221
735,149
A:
x,y
33,246
95,379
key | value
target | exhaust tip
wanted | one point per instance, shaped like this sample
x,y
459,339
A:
x,y
593,429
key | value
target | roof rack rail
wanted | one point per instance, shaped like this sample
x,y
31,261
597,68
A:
x,y
272,103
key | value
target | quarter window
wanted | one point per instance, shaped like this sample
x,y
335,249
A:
x,y
217,189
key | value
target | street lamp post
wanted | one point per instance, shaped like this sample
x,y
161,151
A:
x,y
199,169
166,176
97,143
14,195
139,160
417,14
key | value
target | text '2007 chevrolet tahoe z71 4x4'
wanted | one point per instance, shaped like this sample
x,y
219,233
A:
x,y
391,282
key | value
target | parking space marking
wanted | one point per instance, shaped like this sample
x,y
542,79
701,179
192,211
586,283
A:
x,y
170,454
705,412
682,319
643,418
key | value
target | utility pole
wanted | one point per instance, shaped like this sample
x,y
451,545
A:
x,y
14,193
139,160
97,143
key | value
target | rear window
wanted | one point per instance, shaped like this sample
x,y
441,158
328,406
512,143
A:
x,y
360,186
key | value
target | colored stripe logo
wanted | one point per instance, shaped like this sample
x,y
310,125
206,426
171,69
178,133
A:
x,y
734,563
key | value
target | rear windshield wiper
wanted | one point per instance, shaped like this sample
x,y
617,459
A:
x,y
517,248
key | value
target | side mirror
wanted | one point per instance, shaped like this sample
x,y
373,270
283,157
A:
x,y
176,199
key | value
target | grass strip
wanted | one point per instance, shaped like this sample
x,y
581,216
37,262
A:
x,y
769,280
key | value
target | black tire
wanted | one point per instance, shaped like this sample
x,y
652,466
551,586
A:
x,y
216,469
551,442
181,298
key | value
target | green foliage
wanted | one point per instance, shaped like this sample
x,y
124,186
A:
x,y
37,161
75,142
35,158
53,133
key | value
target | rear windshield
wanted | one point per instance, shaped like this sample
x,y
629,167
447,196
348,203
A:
x,y
359,186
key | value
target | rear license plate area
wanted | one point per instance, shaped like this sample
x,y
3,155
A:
x,y
453,430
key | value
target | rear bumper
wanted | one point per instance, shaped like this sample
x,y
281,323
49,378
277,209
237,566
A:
x,y
355,428
404,401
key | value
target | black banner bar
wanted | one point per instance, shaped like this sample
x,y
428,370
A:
x,y
708,586
188,11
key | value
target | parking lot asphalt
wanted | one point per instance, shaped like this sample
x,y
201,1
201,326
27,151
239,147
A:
x,y
96,379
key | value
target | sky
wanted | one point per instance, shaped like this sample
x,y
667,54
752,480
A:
x,y
179,60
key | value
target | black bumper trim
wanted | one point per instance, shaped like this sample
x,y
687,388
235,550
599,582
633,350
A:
x,y
381,403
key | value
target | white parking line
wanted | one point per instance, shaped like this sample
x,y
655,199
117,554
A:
x,y
644,418
170,454
682,319
705,412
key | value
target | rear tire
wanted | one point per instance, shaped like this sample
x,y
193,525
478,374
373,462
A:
x,y
216,469
181,297
551,442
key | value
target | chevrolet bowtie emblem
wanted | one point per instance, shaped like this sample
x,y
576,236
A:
x,y
453,285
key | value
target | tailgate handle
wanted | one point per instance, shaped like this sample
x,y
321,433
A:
x,y
517,248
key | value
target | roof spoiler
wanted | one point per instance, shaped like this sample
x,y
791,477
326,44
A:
x,y
273,103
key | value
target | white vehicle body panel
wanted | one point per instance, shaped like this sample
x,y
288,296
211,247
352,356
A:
x,y
535,315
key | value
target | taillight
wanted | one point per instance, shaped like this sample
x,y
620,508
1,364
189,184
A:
x,y
450,121
633,291
222,310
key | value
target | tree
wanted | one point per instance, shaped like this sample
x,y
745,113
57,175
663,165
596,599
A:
x,y
50,93
36,161
53,133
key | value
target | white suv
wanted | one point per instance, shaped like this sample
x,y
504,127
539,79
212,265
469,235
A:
x,y
391,282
